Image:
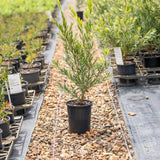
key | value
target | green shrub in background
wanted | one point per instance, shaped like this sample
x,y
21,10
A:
x,y
19,6
117,26
148,17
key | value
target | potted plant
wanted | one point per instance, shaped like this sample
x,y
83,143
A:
x,y
83,69
120,29
4,118
148,17
4,121
30,72
7,54
79,5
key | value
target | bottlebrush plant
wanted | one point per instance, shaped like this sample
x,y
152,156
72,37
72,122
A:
x,y
82,68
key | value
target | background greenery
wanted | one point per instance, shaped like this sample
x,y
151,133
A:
x,y
20,6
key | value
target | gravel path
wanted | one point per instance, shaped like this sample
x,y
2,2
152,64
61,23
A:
x,y
51,139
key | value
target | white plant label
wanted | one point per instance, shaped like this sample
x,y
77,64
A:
x,y
118,55
14,83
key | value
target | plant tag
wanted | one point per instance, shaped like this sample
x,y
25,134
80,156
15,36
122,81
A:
x,y
118,55
14,83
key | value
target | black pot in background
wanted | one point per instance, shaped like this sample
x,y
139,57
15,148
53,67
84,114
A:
x,y
11,115
31,76
17,59
16,65
127,69
18,98
80,14
5,127
11,69
79,117
41,60
19,45
24,57
1,146
151,61
25,86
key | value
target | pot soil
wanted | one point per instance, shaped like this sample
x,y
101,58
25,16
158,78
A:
x,y
5,127
79,116
25,86
127,69
1,146
40,60
40,56
80,14
18,98
31,75
34,65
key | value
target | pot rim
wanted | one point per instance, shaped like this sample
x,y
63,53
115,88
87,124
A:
x,y
23,90
24,83
67,103
36,71
133,63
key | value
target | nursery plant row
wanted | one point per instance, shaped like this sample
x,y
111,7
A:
x,y
23,70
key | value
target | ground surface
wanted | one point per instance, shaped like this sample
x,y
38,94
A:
x,y
51,138
144,127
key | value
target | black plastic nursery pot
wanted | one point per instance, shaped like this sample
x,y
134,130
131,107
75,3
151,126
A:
x,y
1,145
41,60
127,69
25,86
152,61
79,117
16,65
11,115
24,57
31,75
80,14
18,98
5,127
18,60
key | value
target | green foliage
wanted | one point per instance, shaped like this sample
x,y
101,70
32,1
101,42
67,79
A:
x,y
148,17
115,25
20,6
3,77
3,113
79,3
83,69
30,53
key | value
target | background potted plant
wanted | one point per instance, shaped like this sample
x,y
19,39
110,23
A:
x,y
83,69
4,118
29,72
79,5
117,27
148,18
